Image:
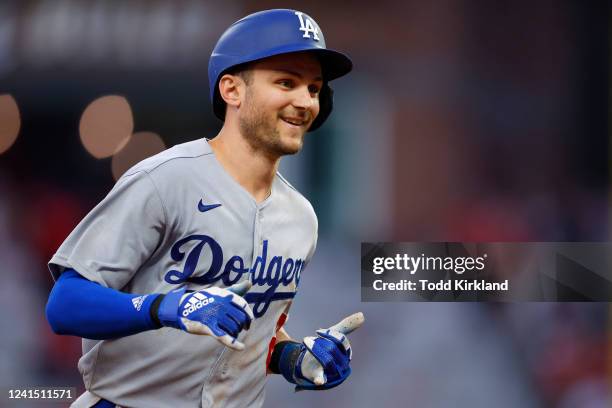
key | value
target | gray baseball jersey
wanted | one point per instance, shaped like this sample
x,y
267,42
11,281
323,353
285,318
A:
x,y
178,219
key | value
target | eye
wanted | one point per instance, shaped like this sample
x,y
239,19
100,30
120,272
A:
x,y
314,89
285,83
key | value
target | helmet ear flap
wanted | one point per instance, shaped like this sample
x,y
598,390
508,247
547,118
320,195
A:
x,y
326,104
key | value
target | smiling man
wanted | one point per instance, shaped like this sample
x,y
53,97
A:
x,y
280,101
270,104
180,280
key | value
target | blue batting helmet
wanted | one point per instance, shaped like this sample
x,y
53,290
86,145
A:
x,y
273,32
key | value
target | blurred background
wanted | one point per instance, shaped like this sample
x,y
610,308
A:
x,y
462,121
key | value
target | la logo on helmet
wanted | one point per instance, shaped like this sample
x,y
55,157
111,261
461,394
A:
x,y
307,26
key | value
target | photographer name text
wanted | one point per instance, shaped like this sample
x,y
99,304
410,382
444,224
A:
x,y
441,285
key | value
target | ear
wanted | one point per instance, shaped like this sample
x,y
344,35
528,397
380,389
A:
x,y
231,90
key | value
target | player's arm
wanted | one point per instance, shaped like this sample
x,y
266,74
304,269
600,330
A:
x,y
83,308
317,363
282,335
80,307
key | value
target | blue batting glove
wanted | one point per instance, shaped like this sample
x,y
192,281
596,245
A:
x,y
217,312
321,362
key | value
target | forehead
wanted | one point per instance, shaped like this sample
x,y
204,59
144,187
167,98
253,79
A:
x,y
304,63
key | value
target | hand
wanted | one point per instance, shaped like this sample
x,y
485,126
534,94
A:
x,y
217,312
320,362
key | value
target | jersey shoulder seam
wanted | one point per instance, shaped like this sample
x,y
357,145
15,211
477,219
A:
x,y
288,184
148,176
284,180
149,170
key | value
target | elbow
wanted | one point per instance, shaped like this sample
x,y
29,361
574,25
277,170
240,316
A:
x,y
59,308
54,316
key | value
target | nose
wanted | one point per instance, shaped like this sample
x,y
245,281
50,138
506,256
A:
x,y
303,99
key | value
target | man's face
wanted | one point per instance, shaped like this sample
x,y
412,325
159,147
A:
x,y
281,102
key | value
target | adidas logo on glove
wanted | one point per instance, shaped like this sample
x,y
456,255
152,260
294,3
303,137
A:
x,y
197,301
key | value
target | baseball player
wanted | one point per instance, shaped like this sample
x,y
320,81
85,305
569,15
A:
x,y
180,280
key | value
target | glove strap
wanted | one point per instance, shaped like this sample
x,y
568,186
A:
x,y
167,312
284,359
154,311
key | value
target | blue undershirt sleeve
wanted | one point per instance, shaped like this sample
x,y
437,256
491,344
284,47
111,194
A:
x,y
80,307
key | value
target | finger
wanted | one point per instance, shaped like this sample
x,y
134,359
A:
x,y
349,324
237,300
323,356
229,326
319,376
195,327
239,317
238,313
311,369
338,338
218,333
242,305
241,288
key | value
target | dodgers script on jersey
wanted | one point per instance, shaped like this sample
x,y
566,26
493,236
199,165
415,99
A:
x,y
178,219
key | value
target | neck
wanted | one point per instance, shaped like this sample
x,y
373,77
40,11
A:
x,y
253,170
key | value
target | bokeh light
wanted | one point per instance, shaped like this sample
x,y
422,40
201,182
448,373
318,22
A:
x,y
106,126
140,146
10,122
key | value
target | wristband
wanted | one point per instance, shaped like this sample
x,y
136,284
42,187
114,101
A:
x,y
154,310
284,359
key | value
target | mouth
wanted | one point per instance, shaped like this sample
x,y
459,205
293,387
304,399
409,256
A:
x,y
295,122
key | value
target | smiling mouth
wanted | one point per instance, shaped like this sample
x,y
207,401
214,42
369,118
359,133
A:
x,y
294,121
